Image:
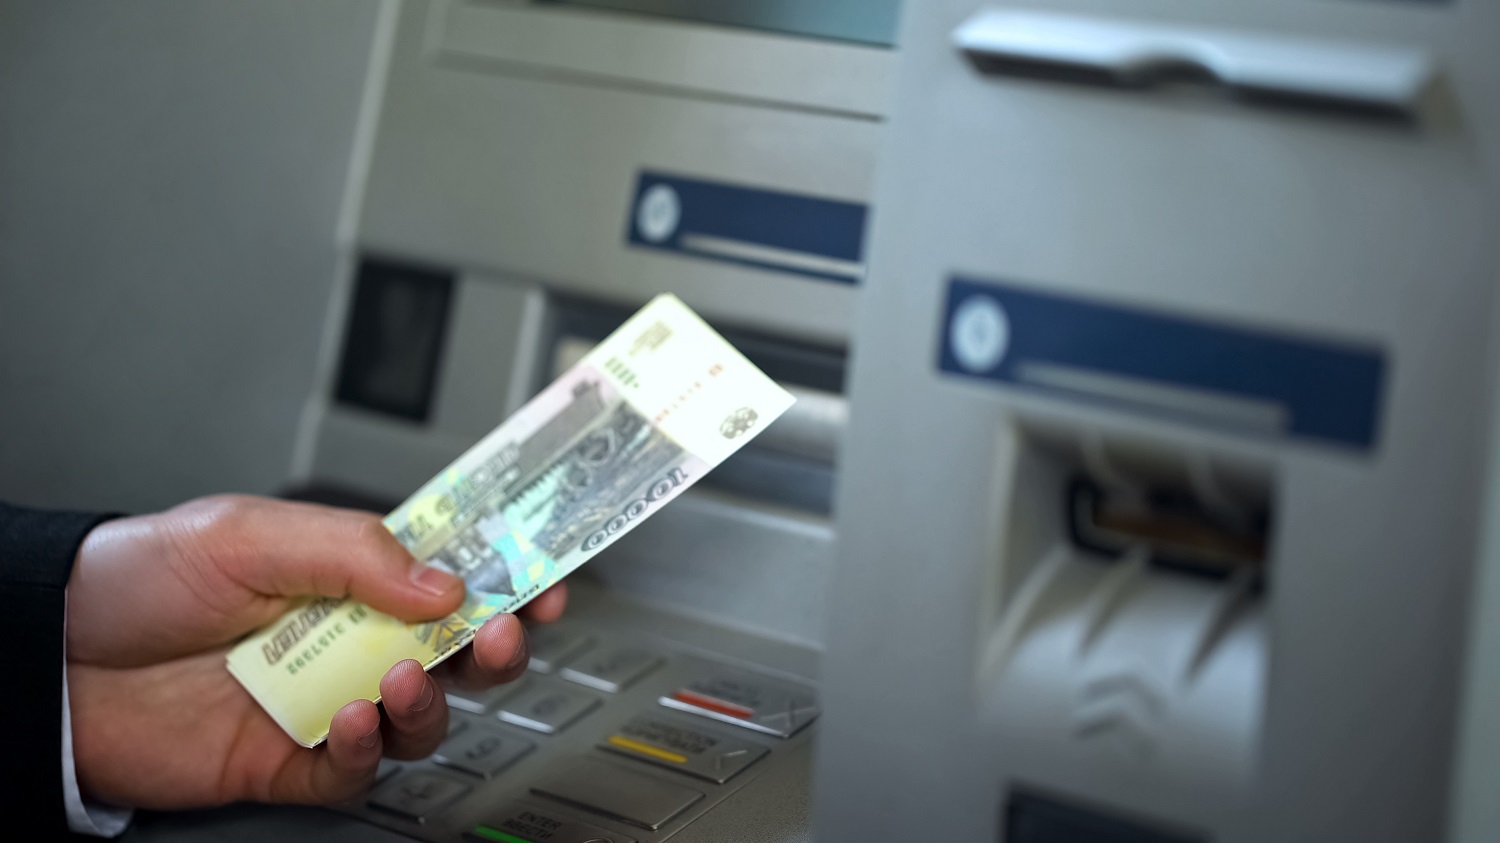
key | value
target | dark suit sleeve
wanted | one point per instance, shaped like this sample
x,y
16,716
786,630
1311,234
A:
x,y
36,557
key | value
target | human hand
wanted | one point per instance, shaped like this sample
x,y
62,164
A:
x,y
156,601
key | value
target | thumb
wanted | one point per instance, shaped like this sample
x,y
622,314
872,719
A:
x,y
284,549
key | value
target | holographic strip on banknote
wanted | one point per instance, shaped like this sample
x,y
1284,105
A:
x,y
646,414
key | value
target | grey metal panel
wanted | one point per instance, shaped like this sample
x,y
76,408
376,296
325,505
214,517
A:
x,y
741,563
1474,811
666,54
523,183
379,455
485,355
533,176
1326,224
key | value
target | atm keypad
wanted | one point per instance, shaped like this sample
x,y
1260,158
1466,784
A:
x,y
386,769
481,752
617,793
528,822
548,708
677,746
750,702
610,669
583,748
486,701
418,795
551,646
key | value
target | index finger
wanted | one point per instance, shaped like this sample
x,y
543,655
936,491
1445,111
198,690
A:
x,y
547,606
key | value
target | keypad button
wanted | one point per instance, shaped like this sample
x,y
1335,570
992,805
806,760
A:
x,y
677,746
552,646
527,824
486,701
748,701
547,708
386,769
607,790
482,752
417,795
610,669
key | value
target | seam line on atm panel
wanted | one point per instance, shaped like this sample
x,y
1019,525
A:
x,y
452,59
361,153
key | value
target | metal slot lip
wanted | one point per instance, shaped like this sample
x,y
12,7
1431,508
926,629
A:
x,y
1378,76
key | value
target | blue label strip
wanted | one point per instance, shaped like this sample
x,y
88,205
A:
x,y
787,232
1205,372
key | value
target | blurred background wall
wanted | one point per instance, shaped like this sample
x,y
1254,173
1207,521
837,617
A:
x,y
170,180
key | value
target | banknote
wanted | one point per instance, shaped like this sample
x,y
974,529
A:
x,y
642,417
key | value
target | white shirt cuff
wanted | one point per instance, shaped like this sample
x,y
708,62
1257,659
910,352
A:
x,y
98,820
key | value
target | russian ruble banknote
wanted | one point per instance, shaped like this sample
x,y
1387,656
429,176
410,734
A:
x,y
643,416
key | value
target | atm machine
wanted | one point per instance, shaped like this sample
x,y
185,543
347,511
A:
x,y
1136,488
526,175
1165,488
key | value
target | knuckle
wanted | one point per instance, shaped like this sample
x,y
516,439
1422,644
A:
x,y
369,532
218,514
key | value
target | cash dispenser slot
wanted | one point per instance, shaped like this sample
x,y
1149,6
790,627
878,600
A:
x,y
1129,636
1186,510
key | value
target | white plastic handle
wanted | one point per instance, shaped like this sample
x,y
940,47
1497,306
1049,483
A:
x,y
1391,78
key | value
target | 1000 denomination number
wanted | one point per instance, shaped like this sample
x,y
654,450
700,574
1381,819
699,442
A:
x,y
638,507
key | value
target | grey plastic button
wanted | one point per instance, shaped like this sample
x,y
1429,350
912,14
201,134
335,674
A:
x,y
620,794
665,743
750,702
552,646
482,753
547,708
417,795
530,823
611,669
386,769
483,702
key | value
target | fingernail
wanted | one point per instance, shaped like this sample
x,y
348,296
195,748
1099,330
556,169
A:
x,y
434,580
423,701
368,741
